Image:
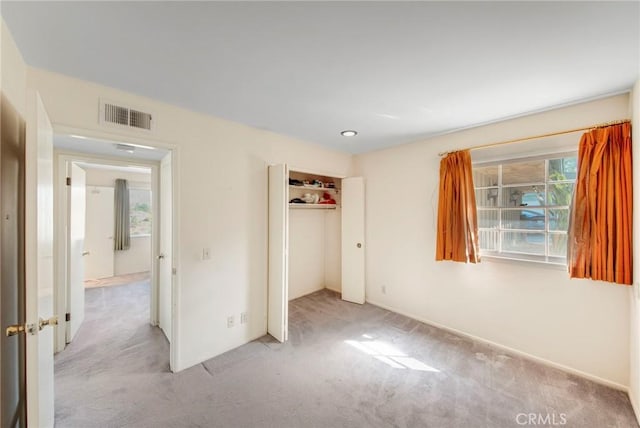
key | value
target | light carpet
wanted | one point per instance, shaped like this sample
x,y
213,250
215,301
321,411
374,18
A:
x,y
117,280
345,365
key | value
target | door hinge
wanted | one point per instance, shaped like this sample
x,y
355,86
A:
x,y
68,181
67,316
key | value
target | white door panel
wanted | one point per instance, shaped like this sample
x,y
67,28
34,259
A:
x,y
278,288
77,205
39,263
165,258
98,242
353,285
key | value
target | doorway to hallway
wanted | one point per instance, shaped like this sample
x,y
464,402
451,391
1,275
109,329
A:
x,y
118,300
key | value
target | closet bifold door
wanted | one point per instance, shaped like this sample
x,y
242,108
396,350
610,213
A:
x,y
353,285
278,287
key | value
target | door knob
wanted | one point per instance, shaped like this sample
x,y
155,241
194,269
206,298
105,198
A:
x,y
15,329
359,245
43,323
161,256
85,253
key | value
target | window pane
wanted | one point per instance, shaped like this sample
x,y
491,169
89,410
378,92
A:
x,y
488,219
523,219
558,244
523,208
140,211
523,172
485,176
489,239
560,194
559,219
487,197
523,242
525,196
563,169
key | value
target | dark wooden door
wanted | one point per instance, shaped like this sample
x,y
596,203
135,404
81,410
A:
x,y
12,267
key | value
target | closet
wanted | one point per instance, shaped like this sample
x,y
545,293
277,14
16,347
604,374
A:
x,y
316,239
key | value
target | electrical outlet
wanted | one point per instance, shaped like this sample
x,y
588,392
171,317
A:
x,y
384,289
244,317
206,253
230,321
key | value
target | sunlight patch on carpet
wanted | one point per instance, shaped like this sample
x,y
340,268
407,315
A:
x,y
389,354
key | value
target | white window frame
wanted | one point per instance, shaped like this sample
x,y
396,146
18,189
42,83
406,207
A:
x,y
508,256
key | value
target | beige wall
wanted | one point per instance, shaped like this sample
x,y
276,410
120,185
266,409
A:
x,y
580,324
314,251
306,252
13,71
634,367
222,201
136,259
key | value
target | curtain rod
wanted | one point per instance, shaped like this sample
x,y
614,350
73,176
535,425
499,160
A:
x,y
535,137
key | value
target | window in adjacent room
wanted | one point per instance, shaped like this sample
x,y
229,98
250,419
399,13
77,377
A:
x,y
523,207
140,211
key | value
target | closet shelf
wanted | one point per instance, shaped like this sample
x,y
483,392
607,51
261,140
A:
x,y
324,189
313,206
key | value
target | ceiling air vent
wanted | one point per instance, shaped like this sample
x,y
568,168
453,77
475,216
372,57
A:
x,y
138,119
113,114
116,114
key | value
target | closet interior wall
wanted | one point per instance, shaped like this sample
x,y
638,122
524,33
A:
x,y
314,236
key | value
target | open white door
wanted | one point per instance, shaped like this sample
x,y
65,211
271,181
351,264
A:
x,y
165,256
98,242
278,288
75,267
353,285
39,264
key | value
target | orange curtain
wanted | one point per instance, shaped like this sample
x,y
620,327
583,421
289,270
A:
x,y
457,238
600,233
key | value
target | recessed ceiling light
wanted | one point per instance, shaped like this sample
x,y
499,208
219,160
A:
x,y
349,133
125,148
140,146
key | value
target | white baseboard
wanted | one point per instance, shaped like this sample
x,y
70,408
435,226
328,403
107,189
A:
x,y
510,350
183,365
334,289
315,291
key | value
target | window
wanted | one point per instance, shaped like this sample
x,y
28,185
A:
x,y
140,212
523,207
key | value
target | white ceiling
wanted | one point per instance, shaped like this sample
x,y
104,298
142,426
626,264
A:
x,y
395,71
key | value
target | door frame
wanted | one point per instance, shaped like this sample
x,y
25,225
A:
x,y
14,149
61,158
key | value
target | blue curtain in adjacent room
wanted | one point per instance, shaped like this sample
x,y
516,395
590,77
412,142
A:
x,y
122,235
